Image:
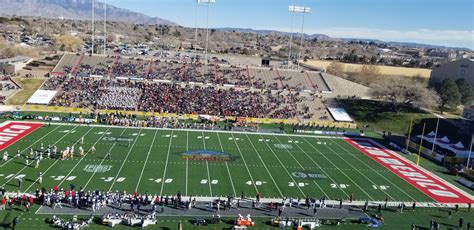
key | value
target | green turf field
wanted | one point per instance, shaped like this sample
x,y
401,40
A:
x,y
152,163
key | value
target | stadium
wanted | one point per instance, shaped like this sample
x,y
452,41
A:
x,y
172,140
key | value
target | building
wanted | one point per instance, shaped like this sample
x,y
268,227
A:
x,y
469,112
12,65
455,70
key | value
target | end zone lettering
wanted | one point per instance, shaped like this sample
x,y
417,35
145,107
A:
x,y
14,131
423,181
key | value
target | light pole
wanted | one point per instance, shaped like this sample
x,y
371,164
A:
x,y
206,3
105,27
300,10
92,27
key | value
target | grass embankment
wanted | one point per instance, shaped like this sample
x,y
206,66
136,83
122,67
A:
x,y
28,88
382,116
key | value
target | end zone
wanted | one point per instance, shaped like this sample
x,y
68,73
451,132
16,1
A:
x,y
430,185
11,132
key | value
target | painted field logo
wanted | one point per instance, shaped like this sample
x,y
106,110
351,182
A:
x,y
421,179
13,131
283,146
97,168
205,155
303,175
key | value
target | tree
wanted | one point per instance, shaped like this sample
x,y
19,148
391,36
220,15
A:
x,y
369,74
466,90
449,94
69,42
373,60
335,68
401,91
176,33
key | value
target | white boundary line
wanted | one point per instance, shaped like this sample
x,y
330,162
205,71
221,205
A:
x,y
102,161
82,158
197,130
264,165
317,150
123,163
146,160
55,162
166,164
367,165
327,174
286,170
245,163
227,166
31,144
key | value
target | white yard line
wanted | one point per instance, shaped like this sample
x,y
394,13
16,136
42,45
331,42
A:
x,y
187,162
31,145
264,165
146,160
312,160
227,166
357,185
166,164
102,161
55,162
82,158
286,170
207,164
361,173
245,163
123,163
26,166
368,166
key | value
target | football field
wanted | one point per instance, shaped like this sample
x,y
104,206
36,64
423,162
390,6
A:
x,y
203,163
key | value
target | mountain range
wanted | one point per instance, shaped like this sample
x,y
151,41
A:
x,y
81,10
75,9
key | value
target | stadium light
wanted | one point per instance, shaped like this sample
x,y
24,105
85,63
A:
x,y
206,3
92,27
105,27
301,10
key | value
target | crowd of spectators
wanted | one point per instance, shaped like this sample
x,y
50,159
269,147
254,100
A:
x,y
105,93
85,70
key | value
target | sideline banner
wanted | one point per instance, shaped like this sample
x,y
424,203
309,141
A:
x,y
14,131
412,174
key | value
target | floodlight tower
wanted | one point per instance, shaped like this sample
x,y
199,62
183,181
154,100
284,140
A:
x,y
93,29
105,27
298,10
206,3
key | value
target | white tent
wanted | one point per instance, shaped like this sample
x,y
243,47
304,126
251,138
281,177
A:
x,y
432,134
458,145
445,140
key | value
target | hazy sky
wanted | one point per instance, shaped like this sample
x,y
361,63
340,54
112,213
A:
x,y
439,22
